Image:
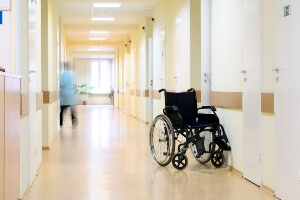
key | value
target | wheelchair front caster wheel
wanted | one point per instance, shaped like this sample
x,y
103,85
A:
x,y
179,161
217,159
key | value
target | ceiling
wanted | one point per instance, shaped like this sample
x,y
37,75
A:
x,y
76,16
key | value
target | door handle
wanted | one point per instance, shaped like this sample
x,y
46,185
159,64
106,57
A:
x,y
276,70
206,77
245,73
31,71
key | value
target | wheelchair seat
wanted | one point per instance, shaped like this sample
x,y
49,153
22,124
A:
x,y
181,108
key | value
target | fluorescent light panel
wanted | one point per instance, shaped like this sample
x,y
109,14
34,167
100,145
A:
x,y
97,38
93,49
106,5
104,32
103,18
98,35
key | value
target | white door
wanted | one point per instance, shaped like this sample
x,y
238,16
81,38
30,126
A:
x,y
151,80
162,77
287,100
179,53
142,111
133,82
206,51
252,91
33,150
127,83
121,86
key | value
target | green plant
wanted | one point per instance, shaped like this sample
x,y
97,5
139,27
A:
x,y
83,89
110,94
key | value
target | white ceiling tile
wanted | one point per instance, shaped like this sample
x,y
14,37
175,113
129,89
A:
x,y
78,13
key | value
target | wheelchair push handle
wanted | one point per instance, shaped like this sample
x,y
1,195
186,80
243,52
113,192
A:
x,y
191,90
208,107
162,90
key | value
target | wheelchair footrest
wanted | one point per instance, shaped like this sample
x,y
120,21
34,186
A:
x,y
200,146
223,145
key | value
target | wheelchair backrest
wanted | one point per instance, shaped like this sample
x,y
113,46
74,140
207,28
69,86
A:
x,y
186,103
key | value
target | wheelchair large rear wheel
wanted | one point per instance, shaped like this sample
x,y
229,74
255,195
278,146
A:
x,y
209,147
162,141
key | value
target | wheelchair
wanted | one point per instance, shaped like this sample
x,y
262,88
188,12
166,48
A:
x,y
203,133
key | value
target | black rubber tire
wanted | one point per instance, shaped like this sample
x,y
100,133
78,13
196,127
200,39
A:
x,y
217,159
180,161
162,142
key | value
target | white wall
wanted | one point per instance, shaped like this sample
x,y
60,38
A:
x,y
139,69
20,59
116,79
268,150
227,62
23,69
227,45
39,113
133,78
174,8
50,67
206,13
232,121
195,45
5,48
24,147
268,87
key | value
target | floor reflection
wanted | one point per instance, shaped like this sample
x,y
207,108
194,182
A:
x,y
107,157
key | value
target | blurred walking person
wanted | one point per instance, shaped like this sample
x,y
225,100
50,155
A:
x,y
67,94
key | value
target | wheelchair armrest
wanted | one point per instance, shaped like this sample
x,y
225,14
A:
x,y
171,110
208,107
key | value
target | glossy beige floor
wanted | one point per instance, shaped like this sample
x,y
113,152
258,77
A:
x,y
107,157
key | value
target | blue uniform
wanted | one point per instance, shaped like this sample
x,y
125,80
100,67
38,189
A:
x,y
66,89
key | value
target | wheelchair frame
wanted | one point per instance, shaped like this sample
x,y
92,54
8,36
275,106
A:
x,y
206,140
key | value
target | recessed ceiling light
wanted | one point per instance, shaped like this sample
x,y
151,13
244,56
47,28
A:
x,y
93,49
106,5
97,38
103,18
98,35
104,32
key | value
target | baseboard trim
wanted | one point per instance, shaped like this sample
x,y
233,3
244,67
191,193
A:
x,y
45,148
49,147
235,171
239,173
266,188
25,194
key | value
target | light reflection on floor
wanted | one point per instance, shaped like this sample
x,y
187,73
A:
x,y
107,157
